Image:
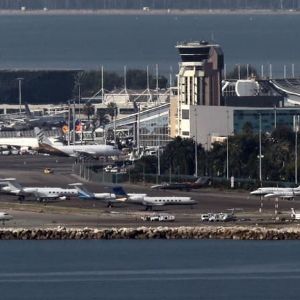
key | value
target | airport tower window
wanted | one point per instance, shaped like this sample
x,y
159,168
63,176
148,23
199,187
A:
x,y
186,90
191,91
185,114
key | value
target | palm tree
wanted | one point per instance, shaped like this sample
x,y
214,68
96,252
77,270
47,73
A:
x,y
112,109
88,109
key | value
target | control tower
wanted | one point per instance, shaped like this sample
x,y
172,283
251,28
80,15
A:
x,y
200,74
199,84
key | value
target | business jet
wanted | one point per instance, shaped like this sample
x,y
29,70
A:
x,y
199,183
150,202
118,195
294,215
4,216
273,190
110,198
74,150
42,194
84,194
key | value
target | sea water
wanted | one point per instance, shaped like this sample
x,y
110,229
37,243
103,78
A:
x,y
89,41
151,269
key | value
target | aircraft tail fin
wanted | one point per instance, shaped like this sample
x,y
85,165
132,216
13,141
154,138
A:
x,y
120,193
83,193
12,183
42,139
203,180
27,111
199,180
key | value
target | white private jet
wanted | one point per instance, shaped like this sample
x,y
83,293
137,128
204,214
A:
x,y
273,190
294,215
74,150
11,186
150,202
4,216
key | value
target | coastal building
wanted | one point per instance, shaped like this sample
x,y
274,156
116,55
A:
x,y
145,128
199,81
214,123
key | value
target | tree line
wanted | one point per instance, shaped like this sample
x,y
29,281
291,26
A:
x,y
56,87
278,157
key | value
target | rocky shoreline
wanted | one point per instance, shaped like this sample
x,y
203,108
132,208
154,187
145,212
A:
x,y
144,233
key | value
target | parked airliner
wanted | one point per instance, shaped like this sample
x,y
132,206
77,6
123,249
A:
x,y
74,150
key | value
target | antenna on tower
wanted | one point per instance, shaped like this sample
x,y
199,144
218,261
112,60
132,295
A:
x,y
156,71
125,81
171,76
148,88
102,84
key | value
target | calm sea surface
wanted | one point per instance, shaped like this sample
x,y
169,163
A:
x,y
155,269
136,41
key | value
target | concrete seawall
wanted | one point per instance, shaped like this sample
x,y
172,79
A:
x,y
143,233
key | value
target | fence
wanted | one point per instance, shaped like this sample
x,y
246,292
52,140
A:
x,y
90,172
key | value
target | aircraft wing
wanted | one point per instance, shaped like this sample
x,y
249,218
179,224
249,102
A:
x,y
84,153
157,186
172,186
160,186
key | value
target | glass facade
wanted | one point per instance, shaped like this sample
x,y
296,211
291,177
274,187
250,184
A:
x,y
155,131
270,118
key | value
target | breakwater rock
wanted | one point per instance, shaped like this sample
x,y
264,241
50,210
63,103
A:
x,y
205,232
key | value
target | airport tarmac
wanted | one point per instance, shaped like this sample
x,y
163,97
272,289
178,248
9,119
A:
x,y
28,170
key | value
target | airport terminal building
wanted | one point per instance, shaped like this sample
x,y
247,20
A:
x,y
203,106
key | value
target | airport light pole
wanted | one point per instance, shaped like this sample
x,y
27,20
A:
x,y
227,147
74,120
275,117
296,156
260,156
296,129
158,146
79,99
20,93
196,145
69,121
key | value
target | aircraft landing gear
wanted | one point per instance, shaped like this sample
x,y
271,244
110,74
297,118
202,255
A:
x,y
21,198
